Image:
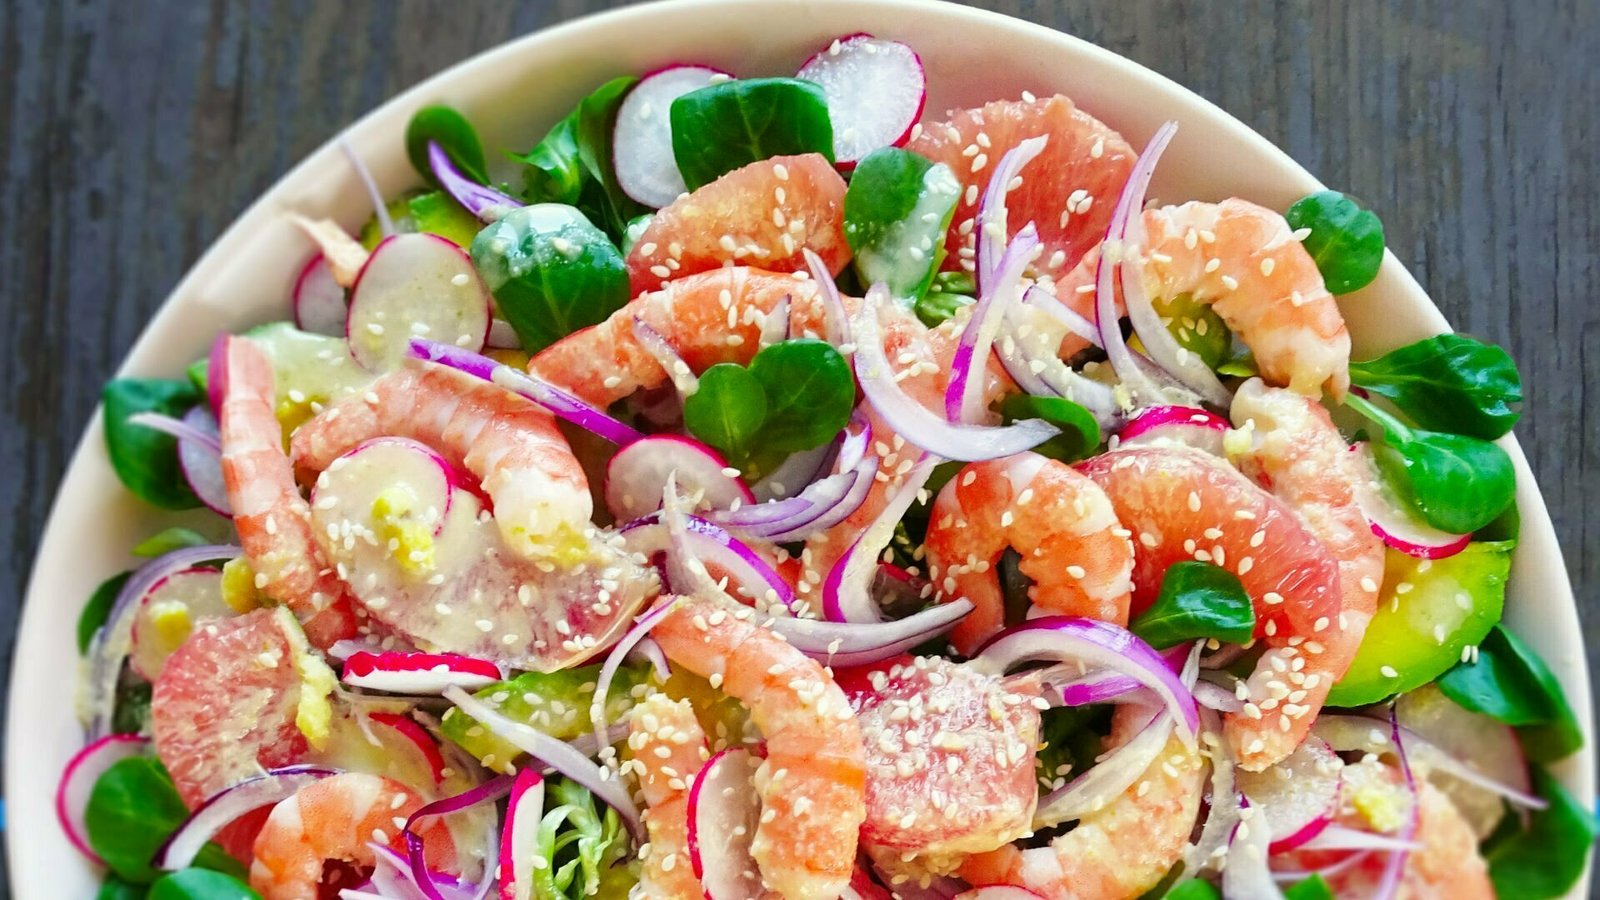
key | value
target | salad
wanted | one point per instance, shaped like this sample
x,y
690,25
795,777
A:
x,y
762,489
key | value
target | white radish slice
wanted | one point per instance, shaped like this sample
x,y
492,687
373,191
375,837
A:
x,y
637,473
1167,425
1297,798
1478,742
319,301
77,781
415,286
642,155
1393,521
724,811
201,462
502,336
403,482
170,612
420,674
406,729
519,839
875,89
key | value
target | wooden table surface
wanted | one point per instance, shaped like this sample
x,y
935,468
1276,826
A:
x,y
133,133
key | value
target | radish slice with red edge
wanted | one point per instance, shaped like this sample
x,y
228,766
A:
x,y
222,808
319,301
1185,425
370,470
636,473
1478,742
415,285
519,839
564,405
641,155
408,728
1297,798
876,90
78,778
724,813
420,674
199,453
1393,521
502,336
188,598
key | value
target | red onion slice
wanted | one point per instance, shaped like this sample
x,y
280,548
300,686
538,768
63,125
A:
x,y
199,453
608,670
488,204
1209,847
661,350
1216,697
558,401
822,505
421,876
712,544
919,426
1074,322
556,754
836,317
1363,734
963,396
992,224
222,808
844,644
847,591
1246,874
1028,353
1395,867
78,778
1108,779
1340,837
380,209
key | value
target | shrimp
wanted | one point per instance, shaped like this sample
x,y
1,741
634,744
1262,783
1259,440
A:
x,y
669,748
334,820
541,497
273,520
1060,522
1186,504
813,781
1245,262
1296,452
1124,848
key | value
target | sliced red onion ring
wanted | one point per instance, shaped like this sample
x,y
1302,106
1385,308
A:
x,y
489,791
1215,696
1328,872
794,473
1363,734
651,652
380,209
1074,322
111,643
608,670
392,879
1209,848
660,349
1108,779
1095,644
183,431
1029,357
78,778
1246,876
222,808
993,227
1341,837
909,419
558,401
836,317
488,204
712,544
844,644
963,396
847,590
556,754
1395,867
823,504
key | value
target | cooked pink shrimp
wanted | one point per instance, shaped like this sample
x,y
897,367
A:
x,y
334,820
1184,504
272,519
541,496
1247,264
1060,522
813,781
1120,850
1296,452
669,748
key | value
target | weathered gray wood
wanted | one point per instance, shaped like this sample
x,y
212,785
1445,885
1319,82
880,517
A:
x,y
132,133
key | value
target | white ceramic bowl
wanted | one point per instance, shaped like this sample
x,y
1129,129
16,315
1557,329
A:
x,y
516,91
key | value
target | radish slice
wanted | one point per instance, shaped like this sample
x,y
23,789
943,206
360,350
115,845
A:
x,y
169,613
875,89
1167,425
408,728
502,336
418,673
222,808
391,470
1297,798
1478,742
1393,521
519,840
724,812
78,778
636,473
642,154
319,301
415,286
999,892
201,462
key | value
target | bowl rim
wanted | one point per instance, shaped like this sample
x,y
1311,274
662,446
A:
x,y
1542,562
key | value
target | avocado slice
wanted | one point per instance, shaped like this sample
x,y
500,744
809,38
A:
x,y
434,212
556,703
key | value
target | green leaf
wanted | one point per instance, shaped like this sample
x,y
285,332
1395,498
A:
x,y
98,608
810,392
1197,328
454,134
132,809
1546,859
1506,527
1080,433
721,127
1511,684
1194,890
1456,483
572,165
1346,241
164,542
1449,383
131,711
896,212
728,409
555,172
1197,600
1313,888
114,888
200,884
954,283
583,847
438,213
551,271
934,307
1240,365
146,460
